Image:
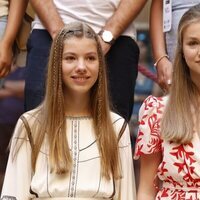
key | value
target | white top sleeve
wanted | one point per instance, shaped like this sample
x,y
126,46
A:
x,y
126,185
18,172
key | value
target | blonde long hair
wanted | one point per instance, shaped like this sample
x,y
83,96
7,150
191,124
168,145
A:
x,y
52,116
177,124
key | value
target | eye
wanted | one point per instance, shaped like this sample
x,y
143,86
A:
x,y
91,58
193,43
69,58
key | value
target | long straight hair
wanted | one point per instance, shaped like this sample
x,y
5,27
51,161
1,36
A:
x,y
52,113
177,124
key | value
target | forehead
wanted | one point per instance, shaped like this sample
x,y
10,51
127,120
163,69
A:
x,y
79,39
80,43
192,30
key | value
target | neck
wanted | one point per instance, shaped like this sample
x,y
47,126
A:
x,y
77,106
195,78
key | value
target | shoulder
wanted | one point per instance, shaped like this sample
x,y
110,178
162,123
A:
x,y
151,111
154,105
121,127
23,125
32,114
117,120
115,117
148,139
152,101
29,119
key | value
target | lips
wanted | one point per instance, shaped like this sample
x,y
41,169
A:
x,y
80,80
80,77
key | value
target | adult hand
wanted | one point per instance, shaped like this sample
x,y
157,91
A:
x,y
55,32
56,29
6,56
105,46
164,73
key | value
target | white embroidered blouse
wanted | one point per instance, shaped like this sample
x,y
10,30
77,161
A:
x,y
84,181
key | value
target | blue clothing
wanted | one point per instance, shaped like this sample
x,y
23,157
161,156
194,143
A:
x,y
12,107
10,110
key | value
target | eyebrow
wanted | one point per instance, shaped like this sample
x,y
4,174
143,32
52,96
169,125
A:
x,y
72,53
193,38
64,53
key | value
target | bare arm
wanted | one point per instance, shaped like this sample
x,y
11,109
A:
x,y
156,30
164,67
148,168
16,11
46,11
126,12
12,89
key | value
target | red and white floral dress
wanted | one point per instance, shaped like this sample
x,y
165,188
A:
x,y
180,167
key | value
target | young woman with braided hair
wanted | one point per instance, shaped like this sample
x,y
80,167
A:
x,y
76,147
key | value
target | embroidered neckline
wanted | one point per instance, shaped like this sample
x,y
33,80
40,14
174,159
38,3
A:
x,y
79,117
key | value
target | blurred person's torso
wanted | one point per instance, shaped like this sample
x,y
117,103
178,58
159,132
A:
x,y
3,8
12,107
93,12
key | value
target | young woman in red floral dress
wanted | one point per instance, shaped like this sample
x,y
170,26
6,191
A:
x,y
168,141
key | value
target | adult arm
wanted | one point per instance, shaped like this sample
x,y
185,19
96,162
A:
x,y
148,169
164,66
16,13
12,89
47,11
126,12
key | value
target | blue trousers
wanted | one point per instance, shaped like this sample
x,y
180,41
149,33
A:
x,y
122,65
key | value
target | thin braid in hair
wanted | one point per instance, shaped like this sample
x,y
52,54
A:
x,y
99,97
58,55
58,89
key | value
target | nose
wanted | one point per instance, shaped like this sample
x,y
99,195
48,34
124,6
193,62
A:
x,y
81,66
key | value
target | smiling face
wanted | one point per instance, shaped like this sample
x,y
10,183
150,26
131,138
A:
x,y
80,65
191,49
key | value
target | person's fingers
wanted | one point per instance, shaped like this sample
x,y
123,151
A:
x,y
164,83
164,72
4,71
169,82
161,84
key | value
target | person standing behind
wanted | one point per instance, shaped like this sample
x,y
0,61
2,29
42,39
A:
x,y
163,29
112,19
11,87
80,149
10,20
169,127
11,107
